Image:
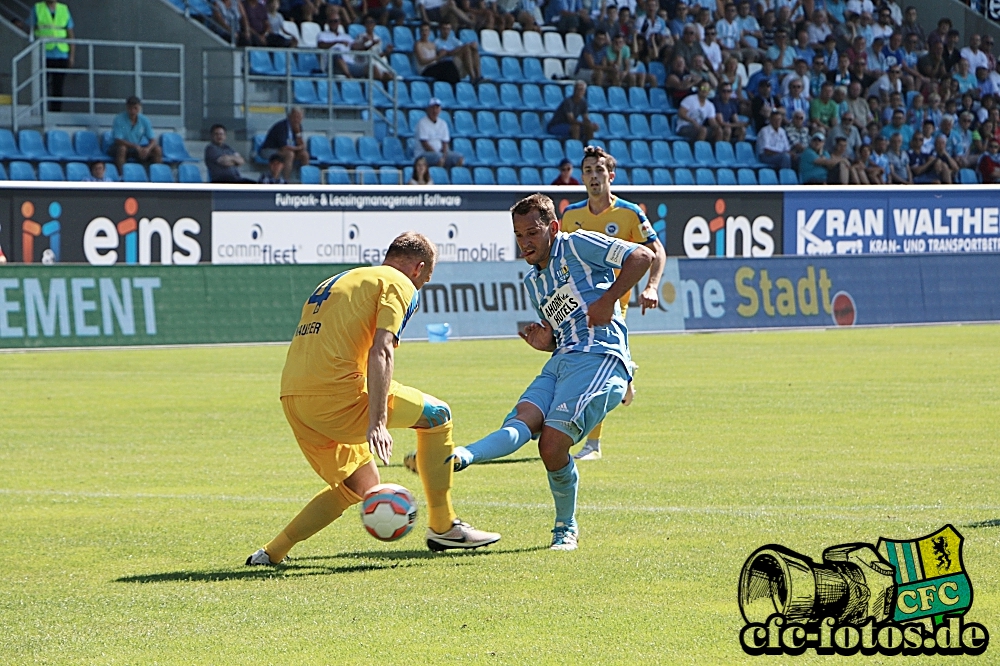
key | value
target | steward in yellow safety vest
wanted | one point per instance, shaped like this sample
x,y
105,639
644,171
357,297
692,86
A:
x,y
53,20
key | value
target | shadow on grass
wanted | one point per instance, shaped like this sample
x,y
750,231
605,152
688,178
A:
x,y
498,461
315,566
992,522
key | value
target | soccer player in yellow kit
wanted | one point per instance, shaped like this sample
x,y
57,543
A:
x,y
605,213
340,399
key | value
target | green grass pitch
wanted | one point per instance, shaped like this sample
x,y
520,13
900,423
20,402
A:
x,y
133,484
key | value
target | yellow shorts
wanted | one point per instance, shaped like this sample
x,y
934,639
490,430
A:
x,y
332,431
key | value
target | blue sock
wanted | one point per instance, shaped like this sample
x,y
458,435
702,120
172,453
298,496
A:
x,y
512,436
563,484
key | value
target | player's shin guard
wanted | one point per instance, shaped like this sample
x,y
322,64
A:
x,y
563,483
513,435
324,508
434,445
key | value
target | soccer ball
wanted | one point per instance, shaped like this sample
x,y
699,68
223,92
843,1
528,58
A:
x,y
388,512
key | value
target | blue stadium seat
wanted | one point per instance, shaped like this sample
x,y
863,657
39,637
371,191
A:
x,y
662,177
767,177
617,100
602,124
463,147
407,174
306,64
507,176
596,100
703,176
532,97
549,174
134,173
965,177
389,175
353,93
107,141
402,126
552,152
509,124
484,176
574,151
400,62
746,177
683,177
662,155
703,155
22,171
320,152
789,177
76,171
87,145
533,70
310,175
487,124
255,143
304,92
486,152
530,176
461,175
531,153
600,144
444,92
415,116
641,176
509,153
402,39
30,143
489,98
660,126
345,151
510,96
280,61
637,100
50,171
355,30
370,152
619,149
467,36
387,37
491,70
174,149
510,70
725,176
531,125
60,146
8,146
187,173
657,69
261,65
365,175
724,154
638,126
554,96
337,175
465,96
465,124
746,157
682,155
640,153
160,173
621,177
402,91
618,127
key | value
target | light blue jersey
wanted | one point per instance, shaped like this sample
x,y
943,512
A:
x,y
581,269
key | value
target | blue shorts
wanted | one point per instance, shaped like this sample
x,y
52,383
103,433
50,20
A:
x,y
576,390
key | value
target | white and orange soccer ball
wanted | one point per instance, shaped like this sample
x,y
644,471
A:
x,y
388,511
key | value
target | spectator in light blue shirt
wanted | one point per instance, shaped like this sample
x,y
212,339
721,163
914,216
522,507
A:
x,y
133,134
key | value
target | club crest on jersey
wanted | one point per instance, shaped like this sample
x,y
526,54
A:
x,y
611,229
563,274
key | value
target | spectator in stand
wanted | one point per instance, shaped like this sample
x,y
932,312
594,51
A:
x,y
818,167
946,168
653,28
893,50
571,120
620,57
681,20
696,116
565,176
878,162
52,20
370,43
728,29
688,46
768,31
727,115
798,136
257,24
921,163
466,56
985,86
803,49
763,105
795,99
443,11
433,62
711,48
750,33
975,56
895,104
222,161
421,172
859,166
966,79
849,132
842,76
884,27
731,74
817,76
915,114
773,147
609,21
700,69
912,78
819,29
898,126
831,57
273,176
568,16
231,21
782,54
593,66
335,38
899,162
766,72
961,141
858,106
823,110
932,65
435,139
989,163
952,50
133,136
681,82
800,72
285,139
276,35
910,26
98,174
835,10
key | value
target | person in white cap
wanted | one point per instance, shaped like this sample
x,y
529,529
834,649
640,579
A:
x,y
435,139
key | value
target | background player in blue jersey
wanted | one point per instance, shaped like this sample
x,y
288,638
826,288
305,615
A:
x,y
575,292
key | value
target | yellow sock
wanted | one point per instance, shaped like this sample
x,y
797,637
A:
x,y
323,509
596,432
433,446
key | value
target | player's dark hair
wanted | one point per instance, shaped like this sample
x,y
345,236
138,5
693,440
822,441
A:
x,y
546,209
412,245
597,153
215,127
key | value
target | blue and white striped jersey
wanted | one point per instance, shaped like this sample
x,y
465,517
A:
x,y
580,271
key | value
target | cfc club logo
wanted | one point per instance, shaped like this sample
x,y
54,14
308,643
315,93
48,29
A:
x,y
906,597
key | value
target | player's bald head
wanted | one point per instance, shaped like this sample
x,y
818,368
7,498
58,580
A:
x,y
413,246
546,209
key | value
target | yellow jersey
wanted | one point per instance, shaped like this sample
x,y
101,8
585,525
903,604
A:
x,y
329,350
622,219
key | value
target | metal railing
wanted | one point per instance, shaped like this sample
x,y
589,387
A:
x,y
260,92
111,71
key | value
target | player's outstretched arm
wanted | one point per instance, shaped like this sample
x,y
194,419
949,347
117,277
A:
x,y
380,361
649,299
599,312
540,336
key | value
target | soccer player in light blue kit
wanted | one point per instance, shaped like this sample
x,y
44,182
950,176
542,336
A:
x,y
575,292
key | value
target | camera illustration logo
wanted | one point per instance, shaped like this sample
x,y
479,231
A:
x,y
899,597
